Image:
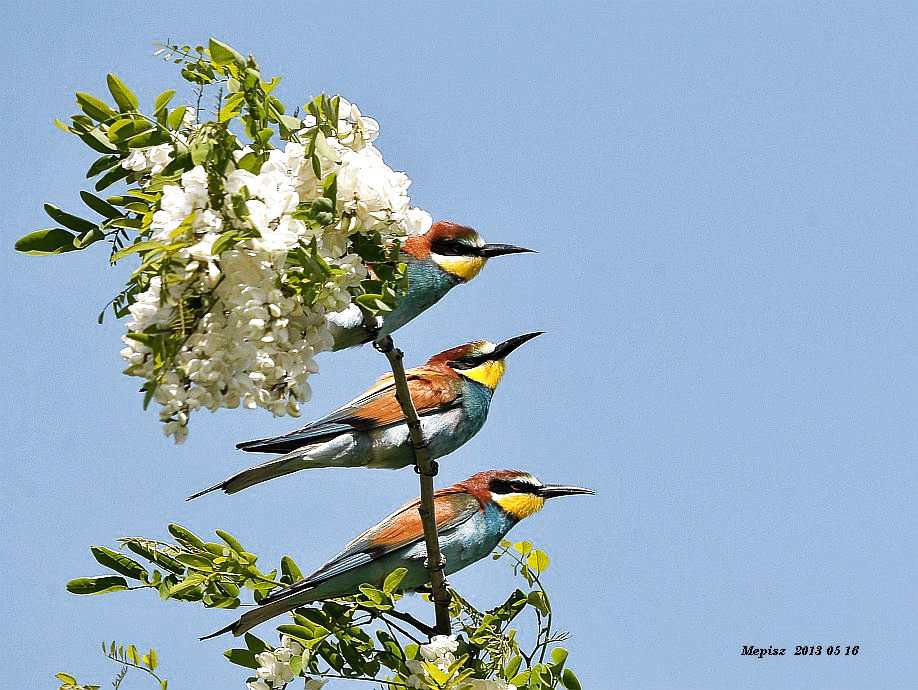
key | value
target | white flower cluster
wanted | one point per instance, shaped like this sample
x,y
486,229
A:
x,y
274,669
255,343
152,159
440,652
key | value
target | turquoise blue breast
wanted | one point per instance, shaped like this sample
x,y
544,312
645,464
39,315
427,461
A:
x,y
427,283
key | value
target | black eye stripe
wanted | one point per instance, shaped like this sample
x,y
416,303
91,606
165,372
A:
x,y
454,248
499,486
504,487
468,362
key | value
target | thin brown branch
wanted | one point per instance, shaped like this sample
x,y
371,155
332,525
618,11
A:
x,y
405,617
427,470
411,620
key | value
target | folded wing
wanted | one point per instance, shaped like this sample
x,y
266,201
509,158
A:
x,y
400,529
431,391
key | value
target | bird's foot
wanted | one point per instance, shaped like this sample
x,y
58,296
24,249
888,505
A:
x,y
434,468
385,345
441,564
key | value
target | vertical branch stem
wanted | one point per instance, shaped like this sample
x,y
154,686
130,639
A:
x,y
427,470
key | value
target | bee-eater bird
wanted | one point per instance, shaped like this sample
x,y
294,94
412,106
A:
x,y
451,393
437,261
472,517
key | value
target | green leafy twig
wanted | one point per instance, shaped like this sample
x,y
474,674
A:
x,y
129,658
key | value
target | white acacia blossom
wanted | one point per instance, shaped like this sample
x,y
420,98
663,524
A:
x,y
439,652
274,667
254,341
152,159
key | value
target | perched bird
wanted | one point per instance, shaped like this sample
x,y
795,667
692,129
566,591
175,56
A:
x,y
472,517
437,261
451,393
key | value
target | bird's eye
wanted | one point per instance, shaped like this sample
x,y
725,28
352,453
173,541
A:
x,y
451,248
517,487
500,487
469,362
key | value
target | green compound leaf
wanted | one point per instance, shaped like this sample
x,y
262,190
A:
x,y
152,137
103,208
569,680
156,556
119,562
256,645
111,177
524,547
98,141
195,562
176,117
150,660
123,97
290,572
559,656
241,657
538,600
297,632
538,560
102,164
88,237
136,247
394,579
46,242
68,220
185,536
96,585
513,667
125,129
222,54
162,100
95,108
188,589
230,541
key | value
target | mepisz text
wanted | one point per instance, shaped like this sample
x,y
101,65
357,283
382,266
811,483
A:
x,y
751,650
802,650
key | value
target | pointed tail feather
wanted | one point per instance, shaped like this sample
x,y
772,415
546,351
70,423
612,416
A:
x,y
285,464
205,491
221,631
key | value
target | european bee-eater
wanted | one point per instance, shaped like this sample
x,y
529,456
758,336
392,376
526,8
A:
x,y
437,261
451,393
472,517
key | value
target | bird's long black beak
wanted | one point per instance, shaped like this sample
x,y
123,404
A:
x,y
489,250
552,490
508,346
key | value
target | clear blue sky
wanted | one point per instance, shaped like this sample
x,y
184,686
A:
x,y
724,199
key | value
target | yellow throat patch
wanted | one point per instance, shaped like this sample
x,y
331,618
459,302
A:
x,y
520,506
489,373
463,267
